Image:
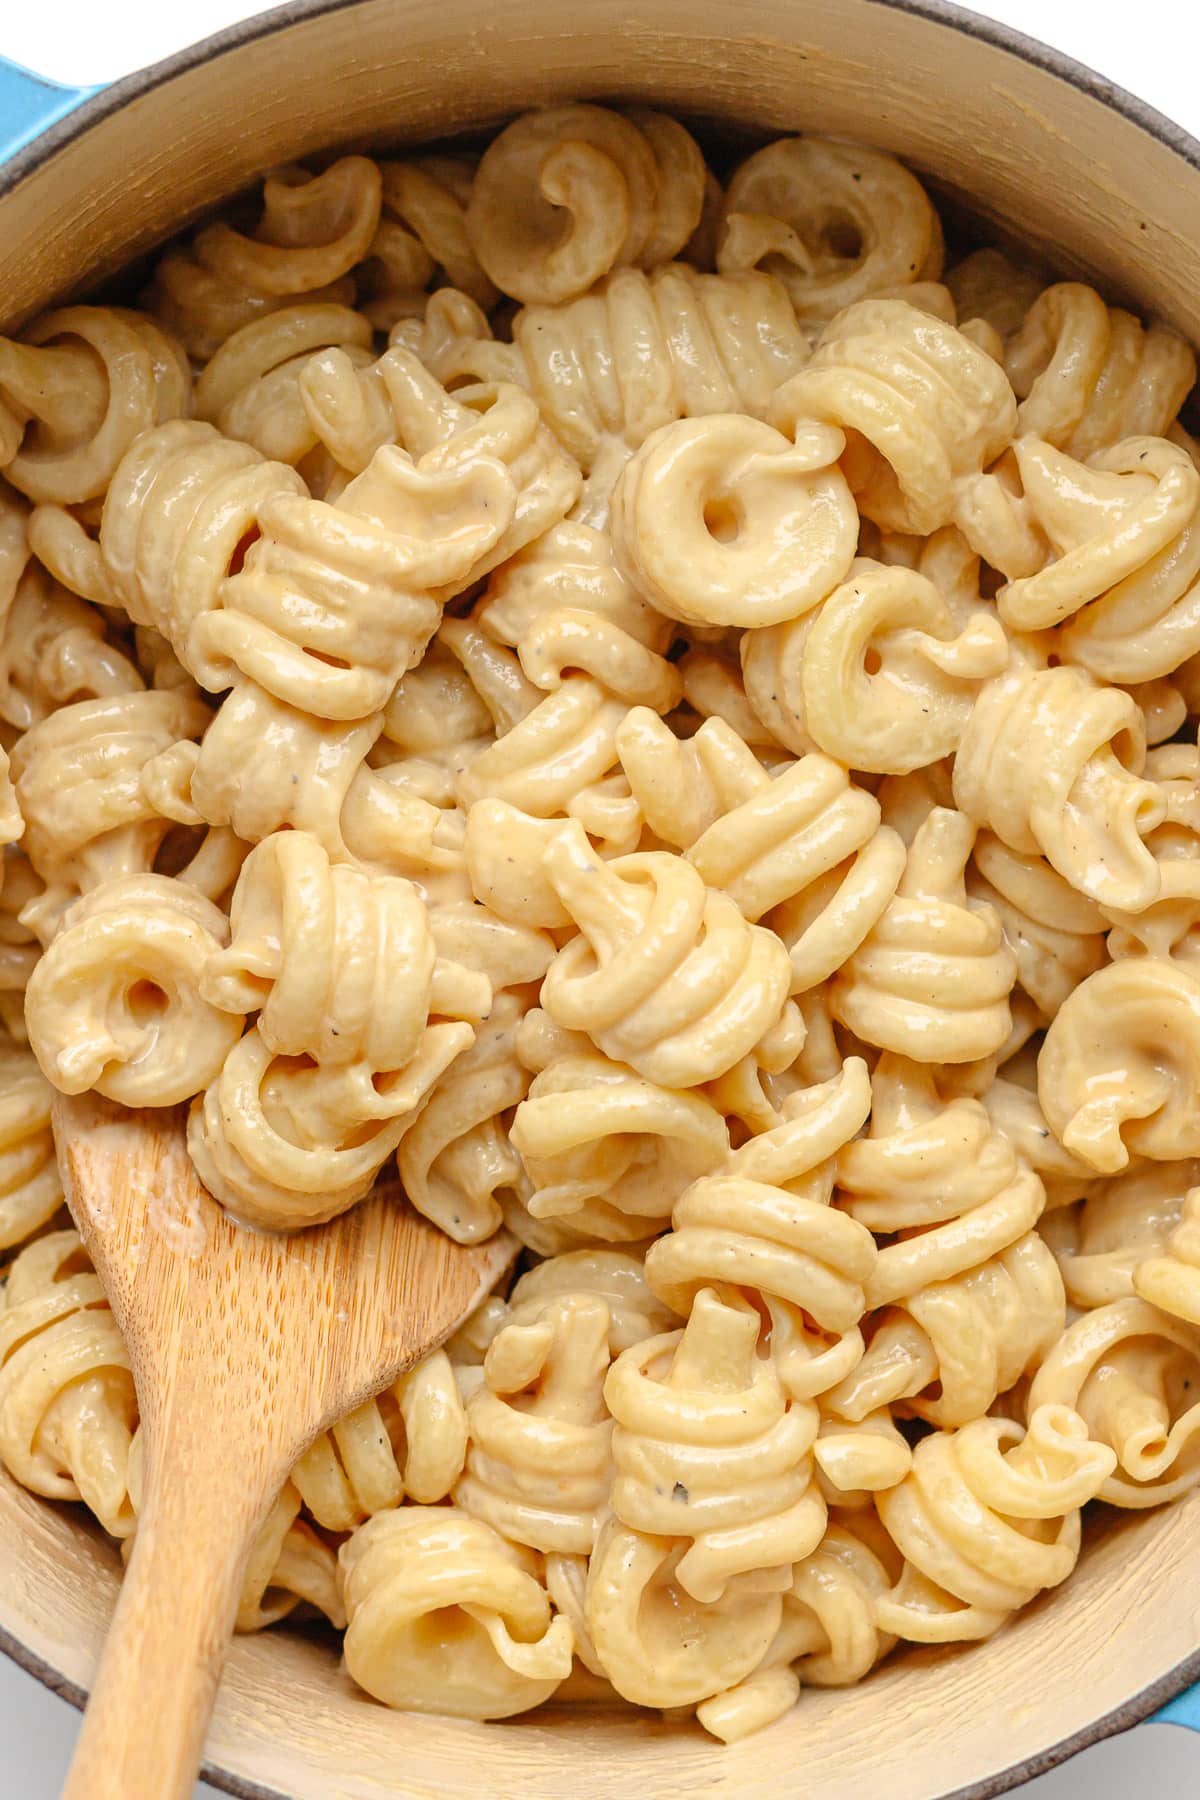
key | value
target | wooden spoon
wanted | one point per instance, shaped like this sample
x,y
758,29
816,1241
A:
x,y
244,1346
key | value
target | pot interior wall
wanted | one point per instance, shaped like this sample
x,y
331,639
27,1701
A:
x,y
1093,189
1096,192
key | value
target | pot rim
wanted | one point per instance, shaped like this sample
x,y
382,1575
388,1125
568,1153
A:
x,y
952,17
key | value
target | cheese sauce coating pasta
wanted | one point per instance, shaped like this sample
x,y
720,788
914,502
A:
x,y
667,706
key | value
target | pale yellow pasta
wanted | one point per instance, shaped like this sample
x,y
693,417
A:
x,y
316,780
988,285
67,1405
456,1159
290,1567
1055,932
1051,761
429,524
714,689
78,777
563,604
1129,1370
1088,374
608,369
828,1635
724,521
565,195
316,1096
684,785
397,402
306,938
966,1296
539,1465
835,222
312,232
285,1143
1012,1104
19,947
555,757
409,1442
606,1151
1118,1071
53,653
988,1517
656,1644
858,1458
805,847
422,235
445,1615
117,1002
665,973
76,391
31,1190
765,1224
1119,1225
709,1446
878,676
1171,1278
251,388
433,724
1111,547
932,978
634,1311
927,410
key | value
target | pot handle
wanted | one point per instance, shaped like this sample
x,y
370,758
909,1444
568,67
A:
x,y
1183,1710
29,104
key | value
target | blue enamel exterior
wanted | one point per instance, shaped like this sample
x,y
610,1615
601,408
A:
x,y
29,103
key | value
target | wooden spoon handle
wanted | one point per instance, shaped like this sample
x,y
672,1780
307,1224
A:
x,y
144,1729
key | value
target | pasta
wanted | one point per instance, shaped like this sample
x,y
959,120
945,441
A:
x,y
643,705
632,188
834,221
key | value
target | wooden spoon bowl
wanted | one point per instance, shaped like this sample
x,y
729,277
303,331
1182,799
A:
x,y
244,1345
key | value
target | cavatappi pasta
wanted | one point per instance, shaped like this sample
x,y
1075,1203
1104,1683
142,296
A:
x,y
664,710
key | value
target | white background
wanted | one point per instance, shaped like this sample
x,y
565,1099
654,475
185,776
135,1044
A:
x,y
1148,48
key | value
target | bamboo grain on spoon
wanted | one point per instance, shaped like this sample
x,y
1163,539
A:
x,y
244,1346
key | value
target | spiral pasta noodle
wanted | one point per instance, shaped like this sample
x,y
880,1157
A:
x,y
307,1105
646,922
312,232
1119,1224
1050,761
970,1296
1088,374
877,676
421,236
930,408
966,1520
76,391
606,1151
933,977
709,1446
639,352
764,1224
539,1465
1117,1070
724,521
499,1649
835,222
563,196
408,1442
